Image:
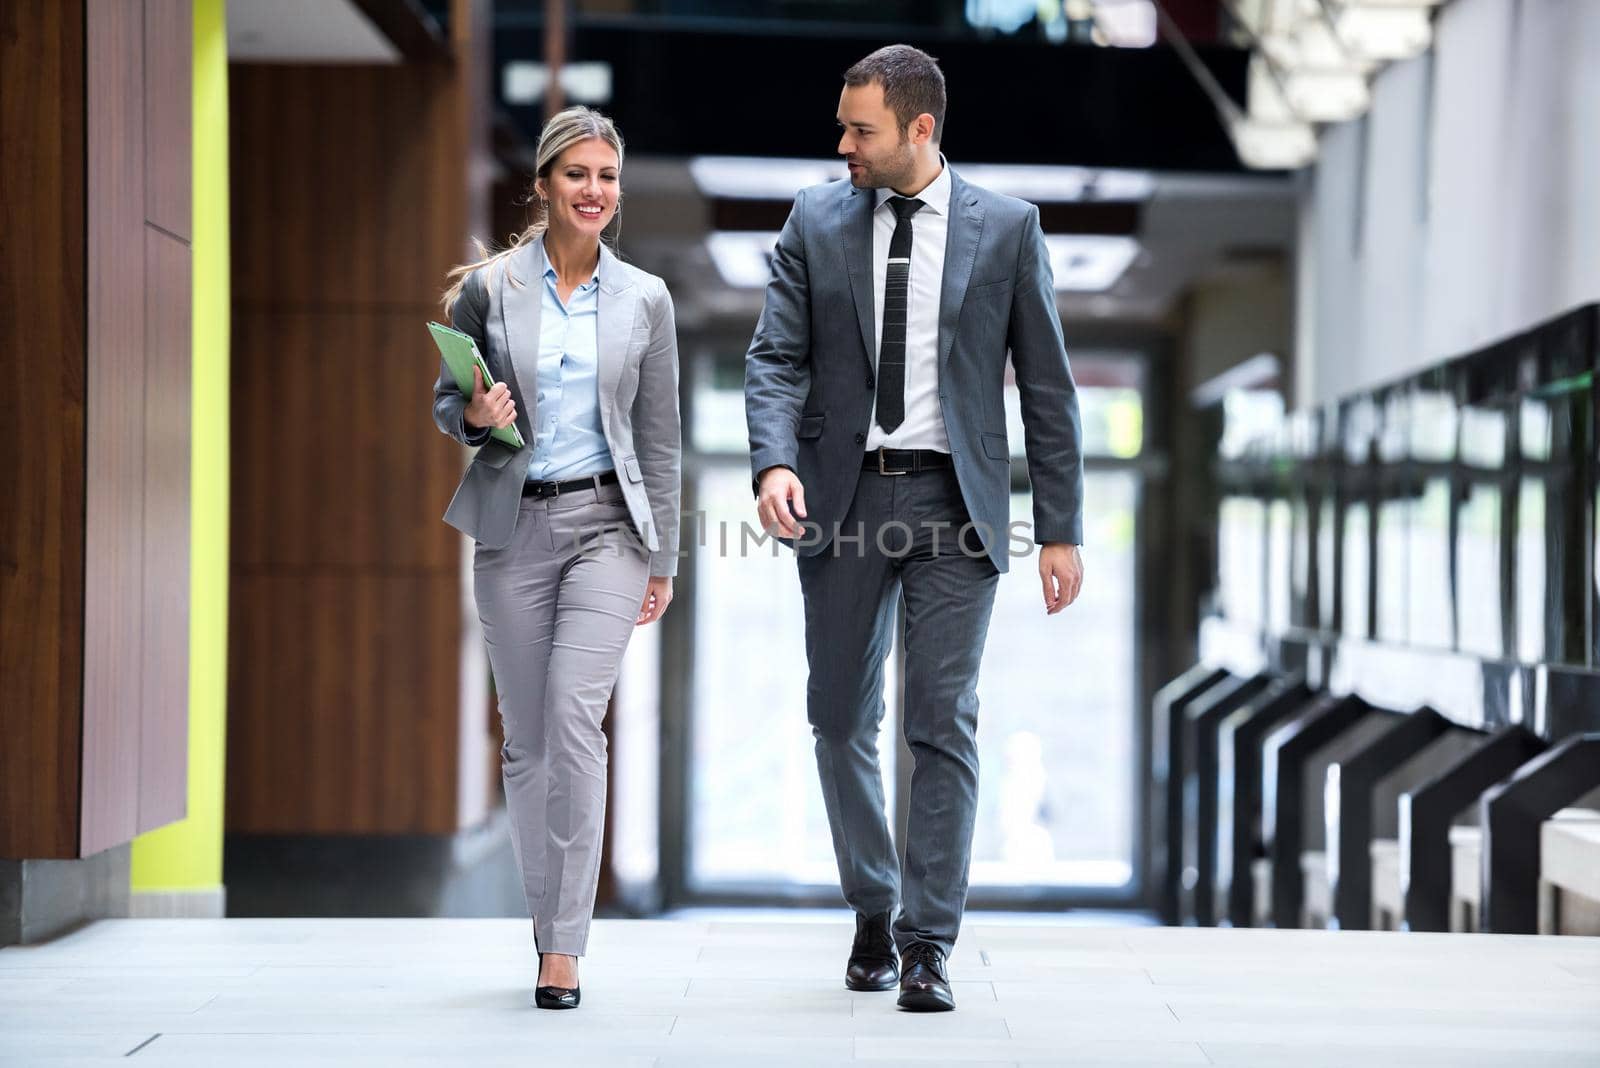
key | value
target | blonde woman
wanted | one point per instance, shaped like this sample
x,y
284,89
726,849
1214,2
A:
x,y
576,532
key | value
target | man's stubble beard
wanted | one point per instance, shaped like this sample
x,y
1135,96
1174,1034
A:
x,y
887,176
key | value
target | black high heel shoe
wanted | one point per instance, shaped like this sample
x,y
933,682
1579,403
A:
x,y
555,997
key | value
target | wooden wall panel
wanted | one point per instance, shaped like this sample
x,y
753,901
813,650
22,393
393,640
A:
x,y
95,328
346,184
41,426
114,513
169,115
345,608
164,722
341,440
340,720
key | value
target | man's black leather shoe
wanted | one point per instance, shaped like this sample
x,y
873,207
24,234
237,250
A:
x,y
924,986
872,965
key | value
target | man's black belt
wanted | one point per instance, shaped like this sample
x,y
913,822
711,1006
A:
x,y
904,461
556,489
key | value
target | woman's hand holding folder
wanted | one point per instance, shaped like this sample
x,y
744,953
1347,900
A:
x,y
490,408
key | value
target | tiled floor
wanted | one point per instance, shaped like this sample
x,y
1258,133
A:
x,y
768,992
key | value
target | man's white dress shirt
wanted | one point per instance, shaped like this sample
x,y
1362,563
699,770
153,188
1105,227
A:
x,y
923,427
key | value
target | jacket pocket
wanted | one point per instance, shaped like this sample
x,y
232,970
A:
x,y
995,447
998,287
630,464
810,426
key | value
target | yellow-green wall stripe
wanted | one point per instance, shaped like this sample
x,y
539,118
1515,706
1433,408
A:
x,y
187,855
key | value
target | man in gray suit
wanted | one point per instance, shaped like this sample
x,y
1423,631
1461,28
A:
x,y
874,396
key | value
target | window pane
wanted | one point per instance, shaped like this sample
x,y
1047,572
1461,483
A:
x,y
1554,427
1433,425
716,404
1478,572
1428,568
1249,416
1479,626
1300,557
1241,543
1112,418
1393,542
1326,574
756,807
1355,572
1280,530
636,760
1056,713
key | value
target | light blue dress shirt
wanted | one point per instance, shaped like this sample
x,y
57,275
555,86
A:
x,y
568,439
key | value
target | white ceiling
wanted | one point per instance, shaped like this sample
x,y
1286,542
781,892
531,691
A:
x,y
304,31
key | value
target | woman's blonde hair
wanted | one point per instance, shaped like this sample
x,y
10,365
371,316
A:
x,y
565,129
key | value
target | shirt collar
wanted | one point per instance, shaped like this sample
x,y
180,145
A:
x,y
550,271
936,197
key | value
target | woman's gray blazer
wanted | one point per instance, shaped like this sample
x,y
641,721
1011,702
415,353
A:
x,y
638,383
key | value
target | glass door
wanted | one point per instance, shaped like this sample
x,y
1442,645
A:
x,y
1059,722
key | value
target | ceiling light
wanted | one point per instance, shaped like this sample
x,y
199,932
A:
x,y
1083,263
1126,23
742,258
759,178
1260,371
1262,17
1264,92
1089,263
1326,95
1273,145
525,82
1048,184
1314,44
1387,32
1007,16
756,178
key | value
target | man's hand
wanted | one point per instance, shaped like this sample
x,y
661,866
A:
x,y
1061,571
778,487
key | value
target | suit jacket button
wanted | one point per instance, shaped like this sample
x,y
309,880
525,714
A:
x,y
869,382
860,438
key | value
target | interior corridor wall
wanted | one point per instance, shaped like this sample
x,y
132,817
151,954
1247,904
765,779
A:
x,y
1462,207
178,868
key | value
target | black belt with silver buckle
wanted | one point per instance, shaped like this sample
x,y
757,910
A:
x,y
904,461
556,489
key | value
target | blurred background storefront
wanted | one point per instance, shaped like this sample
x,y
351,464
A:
x,y
1305,255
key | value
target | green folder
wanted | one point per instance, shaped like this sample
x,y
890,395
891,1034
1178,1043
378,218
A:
x,y
461,355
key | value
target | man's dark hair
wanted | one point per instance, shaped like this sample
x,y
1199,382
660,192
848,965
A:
x,y
912,83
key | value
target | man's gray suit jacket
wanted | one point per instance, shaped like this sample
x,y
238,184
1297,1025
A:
x,y
809,372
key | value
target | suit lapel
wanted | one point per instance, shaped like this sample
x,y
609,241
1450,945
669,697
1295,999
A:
x,y
521,300
619,303
855,221
960,251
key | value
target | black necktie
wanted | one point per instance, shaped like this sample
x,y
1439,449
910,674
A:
x,y
892,347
